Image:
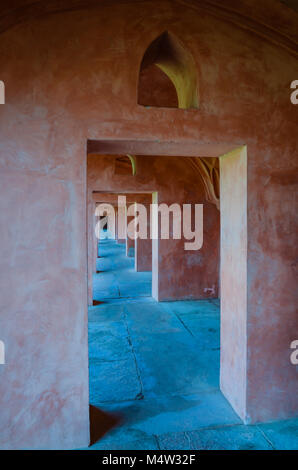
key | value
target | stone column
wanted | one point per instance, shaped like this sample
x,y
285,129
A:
x,y
180,271
121,223
143,246
130,232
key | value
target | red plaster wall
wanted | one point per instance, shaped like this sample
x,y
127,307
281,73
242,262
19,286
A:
x,y
73,76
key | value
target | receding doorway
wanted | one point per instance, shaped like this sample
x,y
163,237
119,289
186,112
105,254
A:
x,y
176,354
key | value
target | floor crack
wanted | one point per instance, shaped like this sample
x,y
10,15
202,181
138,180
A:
x,y
265,437
187,329
157,441
140,395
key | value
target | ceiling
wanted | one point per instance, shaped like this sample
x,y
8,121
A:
x,y
271,19
291,4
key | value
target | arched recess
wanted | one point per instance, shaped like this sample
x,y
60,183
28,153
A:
x,y
125,165
168,66
208,168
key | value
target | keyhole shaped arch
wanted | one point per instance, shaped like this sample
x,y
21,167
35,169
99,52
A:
x,y
167,53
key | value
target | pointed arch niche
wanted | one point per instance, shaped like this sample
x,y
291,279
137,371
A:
x,y
125,165
167,75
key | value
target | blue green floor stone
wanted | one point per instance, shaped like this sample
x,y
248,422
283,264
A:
x,y
156,365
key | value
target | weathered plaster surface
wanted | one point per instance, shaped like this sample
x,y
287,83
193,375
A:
x,y
81,83
233,278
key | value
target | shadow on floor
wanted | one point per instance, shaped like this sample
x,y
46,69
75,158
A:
x,y
97,302
101,423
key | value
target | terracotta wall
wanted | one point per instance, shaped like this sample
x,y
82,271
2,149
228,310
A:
x,y
81,83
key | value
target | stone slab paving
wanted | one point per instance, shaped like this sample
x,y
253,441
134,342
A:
x,y
156,366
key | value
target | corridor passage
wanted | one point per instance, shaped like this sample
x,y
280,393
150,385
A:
x,y
156,365
116,275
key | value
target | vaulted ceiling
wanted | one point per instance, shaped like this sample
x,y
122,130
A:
x,y
274,20
291,4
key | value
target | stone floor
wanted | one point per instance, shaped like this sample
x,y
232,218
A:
x,y
117,277
154,370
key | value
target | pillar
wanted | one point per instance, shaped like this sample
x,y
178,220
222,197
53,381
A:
x,y
259,319
143,248
130,233
121,223
91,242
233,241
180,273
